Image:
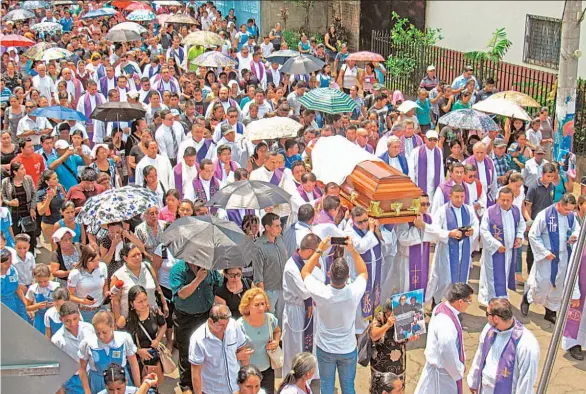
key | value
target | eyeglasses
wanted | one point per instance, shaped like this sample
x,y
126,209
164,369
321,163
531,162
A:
x,y
234,276
432,139
469,302
361,221
425,204
28,107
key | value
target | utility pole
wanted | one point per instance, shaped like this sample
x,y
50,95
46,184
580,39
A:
x,y
565,108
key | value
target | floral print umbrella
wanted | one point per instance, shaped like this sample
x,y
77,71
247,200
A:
x,y
116,205
141,16
36,52
47,27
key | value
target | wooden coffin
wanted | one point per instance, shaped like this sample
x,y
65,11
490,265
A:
x,y
386,193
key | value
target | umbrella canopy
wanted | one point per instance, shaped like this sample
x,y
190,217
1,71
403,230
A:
x,y
249,195
36,51
282,56
122,35
100,13
47,27
181,18
503,107
328,100
138,6
63,2
55,53
15,40
302,64
33,5
116,205
213,59
469,119
522,99
208,242
118,112
365,56
407,106
141,16
18,15
204,38
272,128
130,26
162,18
59,112
168,3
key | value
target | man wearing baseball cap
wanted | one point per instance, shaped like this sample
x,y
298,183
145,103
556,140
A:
x,y
426,165
430,80
502,162
67,162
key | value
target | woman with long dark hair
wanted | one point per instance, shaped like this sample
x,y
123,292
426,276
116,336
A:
x,y
51,196
170,211
231,291
151,182
259,157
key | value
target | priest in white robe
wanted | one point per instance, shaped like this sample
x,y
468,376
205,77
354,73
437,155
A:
x,y
160,162
486,173
501,231
224,166
185,172
393,156
86,105
205,148
426,165
442,196
293,234
507,358
390,282
444,350
552,234
299,315
306,193
575,331
365,235
452,259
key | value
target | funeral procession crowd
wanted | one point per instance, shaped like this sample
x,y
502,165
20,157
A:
x,y
191,180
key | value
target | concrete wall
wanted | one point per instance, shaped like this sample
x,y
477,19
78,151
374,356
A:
x,y
467,26
319,18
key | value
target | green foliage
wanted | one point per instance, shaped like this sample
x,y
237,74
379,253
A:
x,y
496,49
292,38
408,41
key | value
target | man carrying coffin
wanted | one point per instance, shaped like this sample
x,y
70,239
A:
x,y
443,195
501,231
444,350
552,234
426,165
575,331
365,235
298,322
412,264
457,225
508,354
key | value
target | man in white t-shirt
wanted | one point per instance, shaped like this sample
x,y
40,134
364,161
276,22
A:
x,y
337,302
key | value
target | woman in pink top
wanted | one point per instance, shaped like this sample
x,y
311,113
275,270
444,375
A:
x,y
169,212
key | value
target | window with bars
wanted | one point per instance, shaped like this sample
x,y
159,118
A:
x,y
543,38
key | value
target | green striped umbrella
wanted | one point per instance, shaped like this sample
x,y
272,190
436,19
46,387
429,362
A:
x,y
328,100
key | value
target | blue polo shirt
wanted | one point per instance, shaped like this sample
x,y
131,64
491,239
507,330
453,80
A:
x,y
202,299
290,160
423,112
67,171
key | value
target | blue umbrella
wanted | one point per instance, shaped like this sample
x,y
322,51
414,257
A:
x,y
99,13
58,112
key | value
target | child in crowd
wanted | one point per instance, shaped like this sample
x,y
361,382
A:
x,y
116,382
25,260
68,338
52,317
39,295
105,347
11,294
6,224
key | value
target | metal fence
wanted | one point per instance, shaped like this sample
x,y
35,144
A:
x,y
541,85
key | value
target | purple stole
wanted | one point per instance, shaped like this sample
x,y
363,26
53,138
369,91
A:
x,y
323,217
261,73
495,225
203,151
367,148
422,168
161,88
506,366
553,228
87,107
308,303
444,309
277,177
402,161
446,188
459,265
153,70
489,172
178,174
419,262
104,85
101,71
200,193
234,215
417,141
371,298
219,168
178,54
316,193
575,313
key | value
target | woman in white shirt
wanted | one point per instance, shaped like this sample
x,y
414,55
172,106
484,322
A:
x,y
87,283
348,76
302,370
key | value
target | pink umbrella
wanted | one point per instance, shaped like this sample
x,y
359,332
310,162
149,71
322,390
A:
x,y
162,18
15,40
365,56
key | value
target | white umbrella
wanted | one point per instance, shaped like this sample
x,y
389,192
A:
x,y
272,128
167,3
55,54
407,106
503,107
131,26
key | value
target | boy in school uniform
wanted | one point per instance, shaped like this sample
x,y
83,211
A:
x,y
68,339
25,260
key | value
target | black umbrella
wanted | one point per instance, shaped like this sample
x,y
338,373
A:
x,y
118,112
208,242
249,195
282,56
302,64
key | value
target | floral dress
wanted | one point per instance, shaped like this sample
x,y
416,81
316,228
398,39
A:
x,y
388,355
